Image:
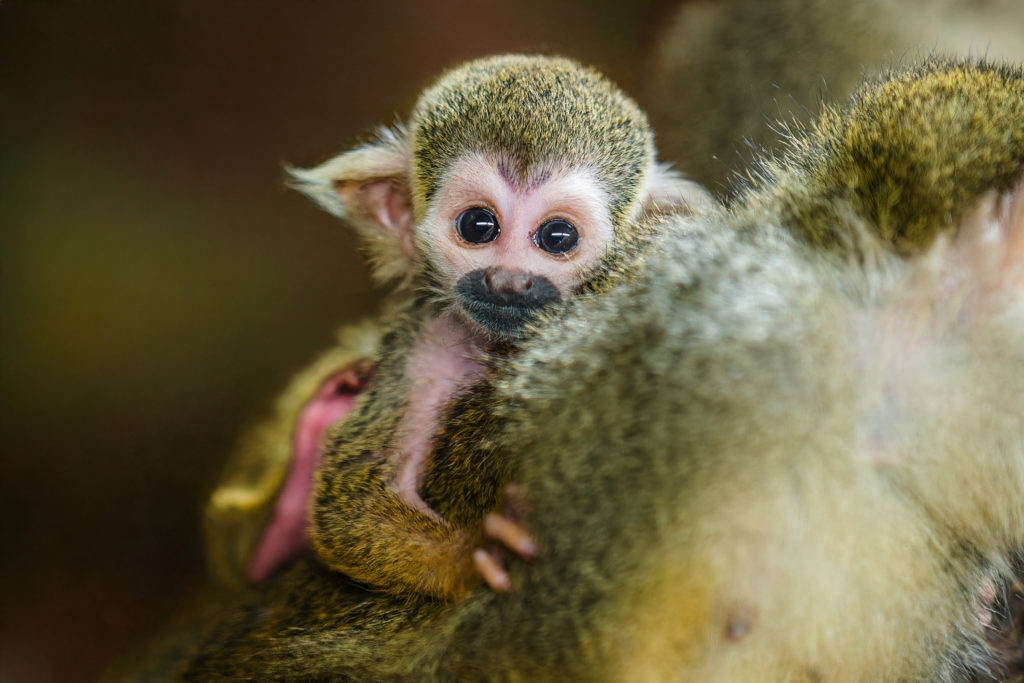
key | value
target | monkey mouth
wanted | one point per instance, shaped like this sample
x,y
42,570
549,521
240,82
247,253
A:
x,y
508,322
502,312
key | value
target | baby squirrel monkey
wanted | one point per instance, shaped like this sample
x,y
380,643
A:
x,y
513,189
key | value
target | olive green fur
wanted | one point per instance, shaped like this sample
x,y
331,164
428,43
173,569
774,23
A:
x,y
331,617
534,114
465,479
647,420
888,158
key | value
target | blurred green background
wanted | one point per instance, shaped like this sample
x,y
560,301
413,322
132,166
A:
x,y
158,284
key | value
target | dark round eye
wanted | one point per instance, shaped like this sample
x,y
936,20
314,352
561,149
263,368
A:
x,y
477,225
556,236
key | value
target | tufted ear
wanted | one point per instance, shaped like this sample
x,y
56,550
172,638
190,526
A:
x,y
369,187
665,189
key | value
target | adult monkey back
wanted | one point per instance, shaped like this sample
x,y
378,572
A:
x,y
790,450
730,74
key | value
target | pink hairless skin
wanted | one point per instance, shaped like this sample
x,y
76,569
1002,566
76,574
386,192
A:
x,y
286,535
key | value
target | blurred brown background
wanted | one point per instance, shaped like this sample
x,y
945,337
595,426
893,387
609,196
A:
x,y
157,282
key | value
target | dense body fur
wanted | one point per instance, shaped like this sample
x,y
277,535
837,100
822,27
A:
x,y
790,449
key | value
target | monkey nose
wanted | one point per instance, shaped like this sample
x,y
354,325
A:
x,y
503,281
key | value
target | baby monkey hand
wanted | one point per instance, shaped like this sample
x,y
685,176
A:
x,y
504,533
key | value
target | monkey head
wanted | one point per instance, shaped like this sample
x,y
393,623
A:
x,y
515,186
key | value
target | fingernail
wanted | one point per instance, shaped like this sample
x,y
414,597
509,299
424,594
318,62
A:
x,y
527,547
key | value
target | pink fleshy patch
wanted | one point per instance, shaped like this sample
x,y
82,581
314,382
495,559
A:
x,y
440,362
286,534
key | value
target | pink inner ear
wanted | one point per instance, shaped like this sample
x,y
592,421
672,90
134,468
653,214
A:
x,y
386,202
285,535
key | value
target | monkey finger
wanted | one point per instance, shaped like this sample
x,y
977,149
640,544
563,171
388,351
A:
x,y
510,534
492,571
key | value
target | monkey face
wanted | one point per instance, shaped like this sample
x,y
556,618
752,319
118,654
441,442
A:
x,y
506,245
